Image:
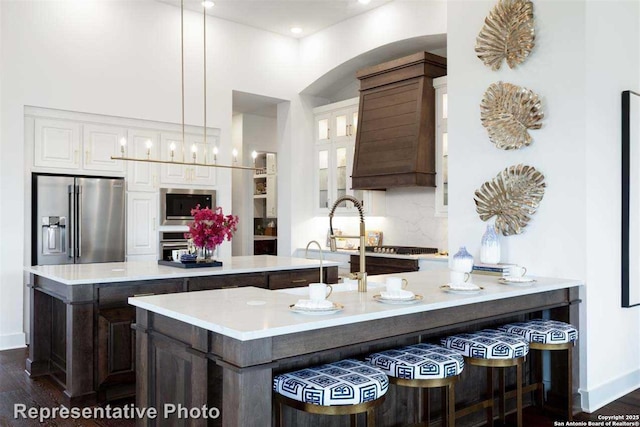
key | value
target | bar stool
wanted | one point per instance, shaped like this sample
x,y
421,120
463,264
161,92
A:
x,y
347,387
492,349
424,366
548,335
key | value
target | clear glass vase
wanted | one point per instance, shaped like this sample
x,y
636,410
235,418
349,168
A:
x,y
204,254
490,246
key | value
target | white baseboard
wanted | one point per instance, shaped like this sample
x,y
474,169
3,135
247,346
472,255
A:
x,y
7,342
596,398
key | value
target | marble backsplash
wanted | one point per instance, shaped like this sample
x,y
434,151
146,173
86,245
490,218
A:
x,y
409,221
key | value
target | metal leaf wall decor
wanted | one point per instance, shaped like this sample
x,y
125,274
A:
x,y
512,196
508,33
508,112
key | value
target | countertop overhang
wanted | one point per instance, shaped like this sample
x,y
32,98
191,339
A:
x,y
113,272
253,313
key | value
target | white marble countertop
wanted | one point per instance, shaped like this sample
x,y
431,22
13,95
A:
x,y
110,272
253,313
432,257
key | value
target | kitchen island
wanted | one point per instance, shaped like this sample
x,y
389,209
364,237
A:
x,y
81,323
221,348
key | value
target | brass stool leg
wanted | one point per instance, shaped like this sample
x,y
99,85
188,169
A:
x,y
570,381
451,405
519,391
502,397
490,396
371,417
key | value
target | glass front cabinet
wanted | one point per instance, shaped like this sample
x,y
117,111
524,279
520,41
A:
x,y
442,147
335,136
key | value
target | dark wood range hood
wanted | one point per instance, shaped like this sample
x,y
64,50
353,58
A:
x,y
395,139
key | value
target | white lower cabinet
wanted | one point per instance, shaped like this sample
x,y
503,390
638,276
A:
x,y
142,224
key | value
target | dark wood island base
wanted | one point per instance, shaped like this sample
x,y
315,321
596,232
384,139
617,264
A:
x,y
81,334
182,364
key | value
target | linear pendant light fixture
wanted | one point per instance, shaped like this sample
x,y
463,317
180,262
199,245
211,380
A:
x,y
194,147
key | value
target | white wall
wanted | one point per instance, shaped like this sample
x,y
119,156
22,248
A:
x,y
324,51
612,27
260,133
398,20
581,62
122,59
553,242
240,200
257,133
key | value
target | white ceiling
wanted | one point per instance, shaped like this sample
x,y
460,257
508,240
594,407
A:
x,y
279,16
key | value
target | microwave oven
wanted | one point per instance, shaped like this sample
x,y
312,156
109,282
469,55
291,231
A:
x,y
176,204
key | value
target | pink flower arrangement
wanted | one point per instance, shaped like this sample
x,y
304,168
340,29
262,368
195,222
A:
x,y
210,228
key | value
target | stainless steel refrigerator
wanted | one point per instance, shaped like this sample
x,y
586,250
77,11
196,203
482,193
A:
x,y
78,220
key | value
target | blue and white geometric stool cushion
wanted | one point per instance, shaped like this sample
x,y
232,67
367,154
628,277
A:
x,y
543,331
488,344
420,361
347,382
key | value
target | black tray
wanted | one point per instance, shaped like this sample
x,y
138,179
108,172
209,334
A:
x,y
192,264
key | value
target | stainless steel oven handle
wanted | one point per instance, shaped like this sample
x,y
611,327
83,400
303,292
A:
x,y
173,245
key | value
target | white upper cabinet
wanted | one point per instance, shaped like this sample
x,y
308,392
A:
x,y
56,144
344,124
142,176
187,175
171,174
202,176
442,147
335,137
100,142
76,146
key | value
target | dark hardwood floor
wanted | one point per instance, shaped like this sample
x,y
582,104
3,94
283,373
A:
x,y
17,388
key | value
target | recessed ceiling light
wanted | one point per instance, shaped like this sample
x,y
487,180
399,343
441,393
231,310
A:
x,y
364,1
296,30
208,4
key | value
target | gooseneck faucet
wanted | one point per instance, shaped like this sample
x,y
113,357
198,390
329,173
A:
x,y
362,274
306,252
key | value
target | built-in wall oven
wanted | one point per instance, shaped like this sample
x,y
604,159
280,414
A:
x,y
169,241
176,204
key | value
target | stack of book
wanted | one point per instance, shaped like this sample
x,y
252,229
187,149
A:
x,y
500,270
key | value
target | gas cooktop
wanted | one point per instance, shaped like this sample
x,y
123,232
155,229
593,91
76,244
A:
x,y
401,250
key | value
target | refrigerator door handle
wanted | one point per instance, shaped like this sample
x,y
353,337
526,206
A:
x,y
72,222
79,220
